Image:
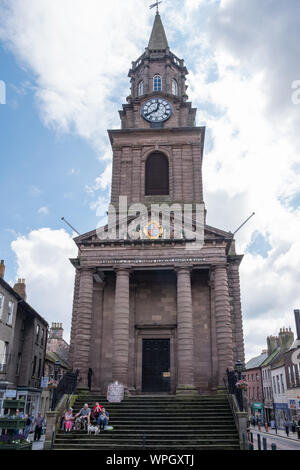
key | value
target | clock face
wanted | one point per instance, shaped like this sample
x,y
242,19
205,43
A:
x,y
157,110
153,230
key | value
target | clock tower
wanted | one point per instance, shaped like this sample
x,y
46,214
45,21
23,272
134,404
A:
x,y
156,312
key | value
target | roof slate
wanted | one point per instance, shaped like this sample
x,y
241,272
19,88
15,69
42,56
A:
x,y
256,361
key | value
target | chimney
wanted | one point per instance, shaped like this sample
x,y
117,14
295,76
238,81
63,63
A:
x,y
56,331
273,343
2,269
297,321
20,288
286,338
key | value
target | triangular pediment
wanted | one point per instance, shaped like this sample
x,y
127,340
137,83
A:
x,y
175,230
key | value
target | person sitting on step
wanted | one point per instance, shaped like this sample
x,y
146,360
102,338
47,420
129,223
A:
x,y
96,412
84,415
103,419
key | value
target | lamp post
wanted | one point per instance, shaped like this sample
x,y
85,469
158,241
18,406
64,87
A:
x,y
56,370
238,368
239,392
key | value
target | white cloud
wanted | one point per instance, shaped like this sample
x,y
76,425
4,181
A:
x,y
43,210
43,260
252,164
78,52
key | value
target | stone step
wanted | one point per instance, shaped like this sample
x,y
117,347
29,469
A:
x,y
165,447
170,427
168,422
149,435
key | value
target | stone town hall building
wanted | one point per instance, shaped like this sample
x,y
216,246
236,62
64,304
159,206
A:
x,y
153,313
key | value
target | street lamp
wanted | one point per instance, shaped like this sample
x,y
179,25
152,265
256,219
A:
x,y
239,368
56,369
239,393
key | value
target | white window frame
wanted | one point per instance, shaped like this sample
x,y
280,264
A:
x,y
1,304
10,314
174,87
155,81
141,88
4,355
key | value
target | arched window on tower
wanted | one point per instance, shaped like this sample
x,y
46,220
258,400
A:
x,y
174,87
157,175
141,88
157,83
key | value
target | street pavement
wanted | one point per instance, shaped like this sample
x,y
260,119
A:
x,y
37,445
280,439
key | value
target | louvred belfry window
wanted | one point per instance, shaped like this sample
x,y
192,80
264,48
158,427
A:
x,y
157,175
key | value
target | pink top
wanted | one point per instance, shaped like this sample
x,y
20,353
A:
x,y
68,416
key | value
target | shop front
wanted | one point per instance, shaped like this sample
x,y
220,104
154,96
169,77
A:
x,y
294,408
282,413
32,398
258,409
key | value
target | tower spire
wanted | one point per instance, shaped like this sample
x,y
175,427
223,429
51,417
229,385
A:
x,y
158,38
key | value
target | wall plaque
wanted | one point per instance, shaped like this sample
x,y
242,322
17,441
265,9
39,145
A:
x,y
115,393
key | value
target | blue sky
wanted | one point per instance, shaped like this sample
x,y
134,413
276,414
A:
x,y
40,168
65,70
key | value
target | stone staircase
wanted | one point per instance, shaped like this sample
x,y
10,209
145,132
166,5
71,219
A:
x,y
158,422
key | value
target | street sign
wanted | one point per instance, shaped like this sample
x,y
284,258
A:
x,y
44,382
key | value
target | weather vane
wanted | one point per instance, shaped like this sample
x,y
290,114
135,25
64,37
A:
x,y
155,5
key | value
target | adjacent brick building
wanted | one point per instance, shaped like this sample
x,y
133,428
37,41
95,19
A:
x,y
156,313
292,373
23,339
253,377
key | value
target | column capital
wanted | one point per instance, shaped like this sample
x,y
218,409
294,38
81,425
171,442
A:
x,y
121,268
87,269
214,267
178,268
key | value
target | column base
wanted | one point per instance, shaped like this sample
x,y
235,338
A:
x,y
186,390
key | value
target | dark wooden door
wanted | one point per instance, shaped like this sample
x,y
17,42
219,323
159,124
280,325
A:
x,y
156,365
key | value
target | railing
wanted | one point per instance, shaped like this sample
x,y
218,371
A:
x,y
235,398
66,386
230,381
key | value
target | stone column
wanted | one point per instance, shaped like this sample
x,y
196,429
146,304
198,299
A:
x,y
237,310
96,335
74,318
185,341
121,327
223,322
83,325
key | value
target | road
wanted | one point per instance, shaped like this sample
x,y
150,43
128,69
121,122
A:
x,y
282,443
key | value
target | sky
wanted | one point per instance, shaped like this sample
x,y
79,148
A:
x,y
64,66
